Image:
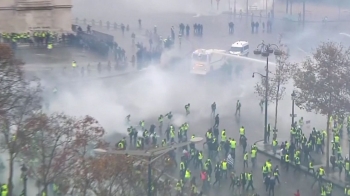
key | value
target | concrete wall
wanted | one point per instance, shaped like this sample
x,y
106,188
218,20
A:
x,y
56,18
6,3
62,19
62,2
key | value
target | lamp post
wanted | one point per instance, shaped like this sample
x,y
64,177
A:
x,y
304,13
349,148
24,175
153,155
265,50
293,115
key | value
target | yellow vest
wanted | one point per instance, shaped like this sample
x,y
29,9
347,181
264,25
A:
x,y
188,174
241,131
224,165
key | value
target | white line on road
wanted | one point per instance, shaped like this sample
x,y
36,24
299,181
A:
x,y
345,34
48,56
303,51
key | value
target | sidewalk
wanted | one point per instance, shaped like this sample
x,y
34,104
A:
x,y
319,160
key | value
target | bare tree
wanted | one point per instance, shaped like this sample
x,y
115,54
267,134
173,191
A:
x,y
110,174
18,100
323,82
277,80
53,147
88,136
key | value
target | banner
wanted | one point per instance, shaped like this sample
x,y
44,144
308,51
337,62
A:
x,y
103,36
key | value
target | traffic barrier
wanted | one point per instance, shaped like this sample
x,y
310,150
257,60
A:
x,y
253,8
97,23
87,66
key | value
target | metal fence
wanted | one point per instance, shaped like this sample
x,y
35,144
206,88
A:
x,y
98,23
83,67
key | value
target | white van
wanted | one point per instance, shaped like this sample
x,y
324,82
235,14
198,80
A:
x,y
240,48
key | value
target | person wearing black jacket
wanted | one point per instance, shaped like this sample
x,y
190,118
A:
x,y
272,184
217,120
217,177
267,182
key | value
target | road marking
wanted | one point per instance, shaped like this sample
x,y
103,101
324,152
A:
x,y
49,56
345,34
303,51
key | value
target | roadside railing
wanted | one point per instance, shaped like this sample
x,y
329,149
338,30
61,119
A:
x,y
98,23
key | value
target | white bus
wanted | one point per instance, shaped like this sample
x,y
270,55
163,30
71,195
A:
x,y
204,61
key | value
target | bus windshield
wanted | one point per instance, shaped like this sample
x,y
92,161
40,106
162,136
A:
x,y
236,49
200,57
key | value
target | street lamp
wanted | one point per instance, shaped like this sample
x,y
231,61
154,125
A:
x,y
158,152
24,175
265,50
349,147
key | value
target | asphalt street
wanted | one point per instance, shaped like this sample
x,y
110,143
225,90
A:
x,y
148,94
300,42
290,180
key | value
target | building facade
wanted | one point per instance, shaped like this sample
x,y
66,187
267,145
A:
x,y
20,16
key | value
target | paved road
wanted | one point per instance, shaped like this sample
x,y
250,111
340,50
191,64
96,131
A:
x,y
59,55
300,42
290,181
157,92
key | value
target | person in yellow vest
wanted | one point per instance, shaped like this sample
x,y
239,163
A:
x,y
120,146
178,187
74,64
200,159
253,156
347,190
224,168
274,146
245,159
4,190
194,189
323,191
241,133
187,175
49,46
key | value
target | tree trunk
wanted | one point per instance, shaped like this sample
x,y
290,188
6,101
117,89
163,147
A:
x,y
85,187
276,112
327,146
276,107
9,182
44,190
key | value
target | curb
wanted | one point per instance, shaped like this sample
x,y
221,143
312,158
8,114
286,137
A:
x,y
303,168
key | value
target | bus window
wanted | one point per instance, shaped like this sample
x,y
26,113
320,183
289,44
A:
x,y
200,57
236,49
